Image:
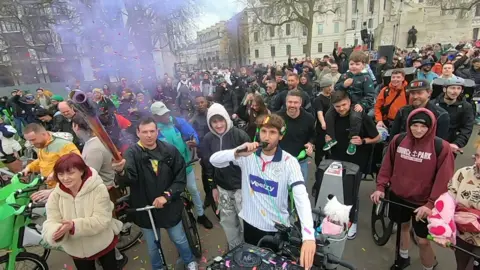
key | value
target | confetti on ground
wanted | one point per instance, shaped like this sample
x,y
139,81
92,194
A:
x,y
307,230
136,258
363,249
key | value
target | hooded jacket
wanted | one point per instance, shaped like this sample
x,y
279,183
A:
x,y
461,120
91,212
228,178
361,91
413,170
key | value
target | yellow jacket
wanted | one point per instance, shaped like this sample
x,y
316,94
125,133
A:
x,y
48,155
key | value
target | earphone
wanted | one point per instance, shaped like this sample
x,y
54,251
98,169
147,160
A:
x,y
283,129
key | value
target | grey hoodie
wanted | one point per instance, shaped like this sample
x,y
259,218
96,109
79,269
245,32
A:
x,y
228,178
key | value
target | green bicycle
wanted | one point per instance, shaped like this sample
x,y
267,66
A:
x,y
15,216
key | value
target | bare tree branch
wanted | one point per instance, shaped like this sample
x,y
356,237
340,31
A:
x,y
454,5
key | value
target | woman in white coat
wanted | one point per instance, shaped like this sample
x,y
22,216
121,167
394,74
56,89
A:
x,y
79,215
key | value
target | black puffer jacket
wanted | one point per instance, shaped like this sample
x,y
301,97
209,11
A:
x,y
147,184
461,120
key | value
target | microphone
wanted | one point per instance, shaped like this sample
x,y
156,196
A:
x,y
260,146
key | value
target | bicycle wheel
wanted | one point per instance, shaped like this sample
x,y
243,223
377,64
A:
x,y
193,237
129,236
381,234
34,261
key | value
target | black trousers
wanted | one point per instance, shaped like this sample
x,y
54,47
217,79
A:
x,y
107,261
355,122
319,143
252,235
206,184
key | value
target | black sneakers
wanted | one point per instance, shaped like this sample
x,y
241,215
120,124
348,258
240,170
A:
x,y
205,222
122,262
400,263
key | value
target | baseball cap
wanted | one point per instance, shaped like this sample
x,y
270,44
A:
x,y
455,81
159,108
417,85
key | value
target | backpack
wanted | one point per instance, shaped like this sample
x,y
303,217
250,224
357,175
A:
x,y
438,143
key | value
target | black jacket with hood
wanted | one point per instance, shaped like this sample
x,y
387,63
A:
x,y
461,120
227,98
228,178
147,182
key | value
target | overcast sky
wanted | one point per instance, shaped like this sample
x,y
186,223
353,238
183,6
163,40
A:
x,y
218,10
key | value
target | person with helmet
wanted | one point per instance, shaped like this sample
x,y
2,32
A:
x,y
460,112
225,96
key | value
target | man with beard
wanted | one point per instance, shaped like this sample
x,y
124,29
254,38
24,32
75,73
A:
x,y
419,92
299,137
184,82
460,112
226,97
425,72
293,81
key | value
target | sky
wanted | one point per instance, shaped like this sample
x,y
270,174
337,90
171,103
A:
x,y
218,10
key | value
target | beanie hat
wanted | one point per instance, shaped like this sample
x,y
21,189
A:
x,y
57,98
325,82
422,118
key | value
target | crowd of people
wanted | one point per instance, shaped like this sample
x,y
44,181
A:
x,y
336,107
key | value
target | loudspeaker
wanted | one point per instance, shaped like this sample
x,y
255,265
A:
x,y
387,51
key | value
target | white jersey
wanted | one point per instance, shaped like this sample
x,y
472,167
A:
x,y
265,184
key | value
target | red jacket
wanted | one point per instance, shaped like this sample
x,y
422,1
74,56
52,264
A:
x,y
413,170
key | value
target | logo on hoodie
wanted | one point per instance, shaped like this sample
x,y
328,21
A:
x,y
416,156
261,185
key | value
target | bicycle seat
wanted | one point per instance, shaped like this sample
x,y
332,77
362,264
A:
x,y
123,199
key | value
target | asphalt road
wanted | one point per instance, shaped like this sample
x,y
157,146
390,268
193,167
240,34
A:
x,y
361,251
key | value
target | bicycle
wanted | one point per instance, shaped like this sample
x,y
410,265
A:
x,y
15,216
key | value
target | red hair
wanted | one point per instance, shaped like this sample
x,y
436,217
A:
x,y
68,162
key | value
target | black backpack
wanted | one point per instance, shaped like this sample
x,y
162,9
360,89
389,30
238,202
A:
x,y
438,143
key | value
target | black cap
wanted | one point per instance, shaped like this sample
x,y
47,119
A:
x,y
417,85
422,118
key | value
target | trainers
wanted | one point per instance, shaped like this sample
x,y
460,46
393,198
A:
x,y
328,145
192,266
352,149
400,263
122,262
352,232
205,222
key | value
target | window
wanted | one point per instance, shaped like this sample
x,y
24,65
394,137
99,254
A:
x,y
356,42
335,45
370,23
304,48
371,6
10,27
287,29
43,38
304,30
354,6
272,51
287,11
289,50
257,54
320,47
320,28
354,24
272,31
477,10
336,27
255,36
475,33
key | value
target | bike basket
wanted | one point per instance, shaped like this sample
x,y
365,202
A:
x,y
7,220
335,248
14,185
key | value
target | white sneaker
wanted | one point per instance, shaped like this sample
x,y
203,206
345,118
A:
x,y
192,266
352,232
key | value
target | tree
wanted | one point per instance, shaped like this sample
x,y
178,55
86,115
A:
x,y
280,12
455,5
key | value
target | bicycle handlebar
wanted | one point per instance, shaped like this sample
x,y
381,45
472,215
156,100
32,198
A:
x,y
146,208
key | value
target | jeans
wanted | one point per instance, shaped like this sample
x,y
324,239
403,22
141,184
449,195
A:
x,y
193,190
230,204
355,122
304,168
177,236
19,122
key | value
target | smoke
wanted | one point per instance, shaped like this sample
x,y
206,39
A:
x,y
120,37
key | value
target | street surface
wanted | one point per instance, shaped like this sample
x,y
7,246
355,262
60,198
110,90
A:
x,y
361,252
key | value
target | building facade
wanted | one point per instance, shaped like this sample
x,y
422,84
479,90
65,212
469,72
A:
x,y
213,46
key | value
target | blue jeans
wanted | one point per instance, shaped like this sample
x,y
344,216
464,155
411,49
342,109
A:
x,y
177,236
19,122
304,168
193,190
